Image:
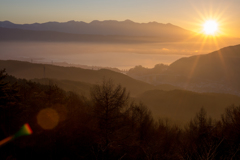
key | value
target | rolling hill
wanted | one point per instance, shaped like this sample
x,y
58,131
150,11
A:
x,y
218,72
31,71
165,101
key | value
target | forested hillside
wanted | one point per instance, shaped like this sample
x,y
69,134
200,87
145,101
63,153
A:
x,y
164,100
180,106
105,126
31,71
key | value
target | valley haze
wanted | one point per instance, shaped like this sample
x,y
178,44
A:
x,y
117,44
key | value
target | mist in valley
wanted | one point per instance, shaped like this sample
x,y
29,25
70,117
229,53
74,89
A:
x,y
115,55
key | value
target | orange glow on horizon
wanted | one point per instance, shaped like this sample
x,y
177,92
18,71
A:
x,y
211,28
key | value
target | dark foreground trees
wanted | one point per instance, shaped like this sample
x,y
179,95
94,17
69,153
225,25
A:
x,y
127,130
108,125
124,129
110,103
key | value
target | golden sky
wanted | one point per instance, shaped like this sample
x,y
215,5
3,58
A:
x,y
188,14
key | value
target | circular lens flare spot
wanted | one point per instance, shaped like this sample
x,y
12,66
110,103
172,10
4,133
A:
x,y
48,118
210,27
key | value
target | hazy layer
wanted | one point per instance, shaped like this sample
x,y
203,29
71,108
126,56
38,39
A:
x,y
123,56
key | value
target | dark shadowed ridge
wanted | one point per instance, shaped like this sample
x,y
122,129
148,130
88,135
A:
x,y
31,71
218,71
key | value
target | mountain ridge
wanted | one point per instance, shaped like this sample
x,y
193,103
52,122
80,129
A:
x,y
218,71
108,27
29,70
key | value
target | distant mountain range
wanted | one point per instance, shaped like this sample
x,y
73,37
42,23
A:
x,y
105,31
99,31
110,27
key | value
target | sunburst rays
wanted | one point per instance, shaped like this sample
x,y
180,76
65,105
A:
x,y
216,14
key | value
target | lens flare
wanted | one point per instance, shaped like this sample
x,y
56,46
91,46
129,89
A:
x,y
25,130
48,118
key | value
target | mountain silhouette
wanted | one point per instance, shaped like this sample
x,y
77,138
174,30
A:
x,y
108,27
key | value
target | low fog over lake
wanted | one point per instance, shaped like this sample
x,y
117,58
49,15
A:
x,y
122,56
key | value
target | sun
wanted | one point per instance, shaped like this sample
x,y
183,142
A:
x,y
210,27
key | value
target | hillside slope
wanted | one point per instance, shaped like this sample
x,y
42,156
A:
x,y
31,71
177,105
180,105
218,71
